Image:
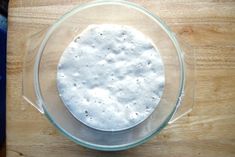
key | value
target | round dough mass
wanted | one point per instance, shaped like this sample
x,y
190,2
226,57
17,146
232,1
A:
x,y
111,77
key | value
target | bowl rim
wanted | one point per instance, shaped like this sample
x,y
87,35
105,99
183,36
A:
x,y
93,4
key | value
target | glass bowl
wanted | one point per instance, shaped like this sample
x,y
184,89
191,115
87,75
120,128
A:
x,y
45,50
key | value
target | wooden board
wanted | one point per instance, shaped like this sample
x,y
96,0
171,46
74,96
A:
x,y
209,130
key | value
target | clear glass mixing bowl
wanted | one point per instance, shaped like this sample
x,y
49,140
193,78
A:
x,y
45,50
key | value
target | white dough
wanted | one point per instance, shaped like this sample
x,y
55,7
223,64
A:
x,y
111,77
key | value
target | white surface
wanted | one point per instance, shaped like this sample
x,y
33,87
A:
x,y
110,77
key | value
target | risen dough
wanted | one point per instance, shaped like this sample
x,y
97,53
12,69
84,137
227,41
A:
x,y
110,77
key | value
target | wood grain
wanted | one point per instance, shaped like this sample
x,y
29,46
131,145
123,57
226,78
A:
x,y
209,26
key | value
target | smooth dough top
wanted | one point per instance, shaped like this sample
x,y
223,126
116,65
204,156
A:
x,y
111,77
